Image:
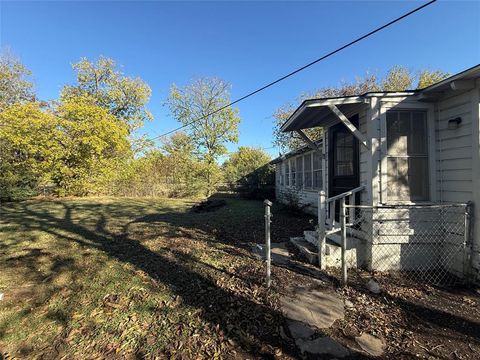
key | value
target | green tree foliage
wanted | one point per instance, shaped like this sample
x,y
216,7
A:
x,y
248,171
15,86
243,162
76,150
398,78
30,144
124,97
95,147
201,100
430,77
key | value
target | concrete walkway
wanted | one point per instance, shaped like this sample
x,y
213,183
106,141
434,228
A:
x,y
308,310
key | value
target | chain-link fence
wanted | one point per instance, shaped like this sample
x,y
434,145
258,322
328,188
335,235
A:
x,y
428,243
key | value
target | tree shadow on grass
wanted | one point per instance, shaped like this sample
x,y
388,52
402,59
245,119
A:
x,y
252,324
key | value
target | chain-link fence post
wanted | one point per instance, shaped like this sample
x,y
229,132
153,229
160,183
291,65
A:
x,y
268,215
343,225
321,230
469,244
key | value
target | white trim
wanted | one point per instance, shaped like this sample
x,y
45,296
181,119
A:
x,y
405,105
324,102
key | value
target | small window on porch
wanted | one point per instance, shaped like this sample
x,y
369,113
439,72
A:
x,y
299,181
287,173
307,161
317,171
293,172
407,156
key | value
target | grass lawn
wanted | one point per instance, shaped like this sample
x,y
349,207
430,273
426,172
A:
x,y
107,277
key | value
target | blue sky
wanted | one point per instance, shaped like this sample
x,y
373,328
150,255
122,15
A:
x,y
245,43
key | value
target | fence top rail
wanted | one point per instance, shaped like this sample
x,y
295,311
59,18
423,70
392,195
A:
x,y
409,206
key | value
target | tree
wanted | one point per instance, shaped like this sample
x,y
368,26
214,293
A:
x,y
31,142
95,146
196,105
15,86
244,162
122,96
398,78
430,77
184,167
288,141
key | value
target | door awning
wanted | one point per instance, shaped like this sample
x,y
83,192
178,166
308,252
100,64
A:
x,y
318,112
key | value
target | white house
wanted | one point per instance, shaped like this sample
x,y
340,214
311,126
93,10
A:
x,y
404,168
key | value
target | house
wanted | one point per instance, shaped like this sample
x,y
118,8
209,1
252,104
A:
x,y
394,180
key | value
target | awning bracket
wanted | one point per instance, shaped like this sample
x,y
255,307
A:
x,y
309,142
352,128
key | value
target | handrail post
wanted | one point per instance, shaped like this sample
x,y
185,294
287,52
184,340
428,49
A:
x,y
268,216
344,241
321,230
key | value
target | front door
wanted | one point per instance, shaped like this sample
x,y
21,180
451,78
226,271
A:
x,y
343,159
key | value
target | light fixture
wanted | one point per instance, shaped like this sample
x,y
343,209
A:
x,y
453,124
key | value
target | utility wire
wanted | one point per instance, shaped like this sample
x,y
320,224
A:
x,y
300,69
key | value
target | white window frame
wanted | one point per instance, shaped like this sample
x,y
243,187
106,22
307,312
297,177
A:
x,y
320,168
311,170
406,105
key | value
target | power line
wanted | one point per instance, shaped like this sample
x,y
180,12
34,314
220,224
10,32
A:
x,y
300,69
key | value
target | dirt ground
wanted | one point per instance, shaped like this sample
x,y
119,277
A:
x,y
146,278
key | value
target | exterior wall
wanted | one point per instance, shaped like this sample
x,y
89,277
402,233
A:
x,y
475,261
456,156
454,149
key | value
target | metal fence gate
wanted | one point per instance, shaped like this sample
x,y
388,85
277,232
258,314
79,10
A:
x,y
430,243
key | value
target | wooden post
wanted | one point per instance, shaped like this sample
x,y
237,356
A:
x,y
344,240
321,230
267,204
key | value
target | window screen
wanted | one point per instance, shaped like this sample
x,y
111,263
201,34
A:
x,y
299,181
317,170
307,171
407,156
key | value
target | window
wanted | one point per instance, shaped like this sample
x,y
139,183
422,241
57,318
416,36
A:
x,y
307,171
343,156
299,181
287,173
407,155
282,170
293,177
317,171
278,174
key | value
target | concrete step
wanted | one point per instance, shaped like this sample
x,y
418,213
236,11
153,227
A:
x,y
306,249
333,252
311,236
352,242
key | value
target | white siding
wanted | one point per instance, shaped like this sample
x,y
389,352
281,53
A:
x,y
454,150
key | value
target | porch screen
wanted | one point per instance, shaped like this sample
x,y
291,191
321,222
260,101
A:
x,y
307,171
299,181
287,173
293,172
407,155
317,170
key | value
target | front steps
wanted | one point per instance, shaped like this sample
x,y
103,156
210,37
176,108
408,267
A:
x,y
308,248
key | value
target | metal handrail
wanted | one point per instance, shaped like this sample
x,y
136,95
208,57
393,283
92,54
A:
x,y
345,194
